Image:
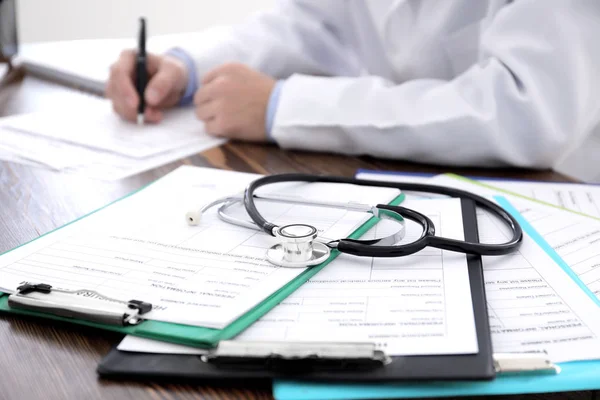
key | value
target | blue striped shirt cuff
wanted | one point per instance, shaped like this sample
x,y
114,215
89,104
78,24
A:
x,y
272,109
192,83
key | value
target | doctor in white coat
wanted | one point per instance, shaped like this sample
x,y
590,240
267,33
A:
x,y
454,82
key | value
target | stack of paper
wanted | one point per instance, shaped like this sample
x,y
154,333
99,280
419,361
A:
x,y
541,298
414,305
534,304
86,137
79,133
528,309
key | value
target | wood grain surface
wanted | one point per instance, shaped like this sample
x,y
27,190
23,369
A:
x,y
45,360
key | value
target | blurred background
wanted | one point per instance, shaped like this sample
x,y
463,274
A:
x,y
53,20
75,41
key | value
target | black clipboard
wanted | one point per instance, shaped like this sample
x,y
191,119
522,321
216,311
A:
x,y
480,366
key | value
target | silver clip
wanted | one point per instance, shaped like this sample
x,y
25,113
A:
x,y
87,304
265,354
524,363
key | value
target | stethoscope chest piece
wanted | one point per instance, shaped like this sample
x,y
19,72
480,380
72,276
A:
x,y
298,248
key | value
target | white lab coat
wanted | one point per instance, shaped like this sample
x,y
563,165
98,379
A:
x,y
455,82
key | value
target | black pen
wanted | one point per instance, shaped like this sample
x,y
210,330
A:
x,y
141,71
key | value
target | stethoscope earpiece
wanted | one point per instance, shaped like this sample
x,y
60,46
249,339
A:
x,y
193,217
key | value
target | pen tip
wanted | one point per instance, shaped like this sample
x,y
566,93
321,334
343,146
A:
x,y
140,119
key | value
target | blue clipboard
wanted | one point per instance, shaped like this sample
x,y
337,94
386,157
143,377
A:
x,y
574,376
580,375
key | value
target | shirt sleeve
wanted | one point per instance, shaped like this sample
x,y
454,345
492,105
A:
x,y
527,102
295,36
192,82
272,109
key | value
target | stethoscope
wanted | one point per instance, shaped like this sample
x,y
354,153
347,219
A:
x,y
301,246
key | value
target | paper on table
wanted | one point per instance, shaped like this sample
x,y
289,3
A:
x,y
141,247
100,128
97,164
414,305
20,155
577,198
533,304
32,149
17,159
19,146
574,237
107,166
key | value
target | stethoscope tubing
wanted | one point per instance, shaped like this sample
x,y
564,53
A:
x,y
427,239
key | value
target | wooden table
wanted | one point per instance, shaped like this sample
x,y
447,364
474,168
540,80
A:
x,y
40,359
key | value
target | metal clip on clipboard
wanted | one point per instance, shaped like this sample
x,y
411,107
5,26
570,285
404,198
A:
x,y
87,304
274,356
519,363
279,356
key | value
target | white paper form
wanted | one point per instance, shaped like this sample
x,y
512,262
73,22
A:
x,y
99,127
574,196
142,248
33,149
578,197
418,304
414,305
20,157
533,304
574,237
40,151
518,284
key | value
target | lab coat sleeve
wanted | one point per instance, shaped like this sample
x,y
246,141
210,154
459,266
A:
x,y
530,99
297,36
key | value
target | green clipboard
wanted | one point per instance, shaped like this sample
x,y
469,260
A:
x,y
194,335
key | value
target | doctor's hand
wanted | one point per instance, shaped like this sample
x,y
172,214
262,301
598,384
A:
x,y
167,82
232,101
